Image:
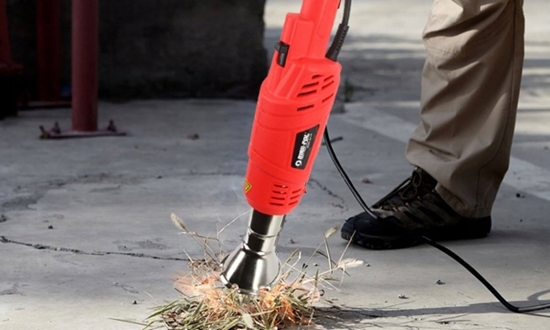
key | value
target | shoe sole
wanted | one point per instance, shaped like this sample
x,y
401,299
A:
x,y
475,229
381,242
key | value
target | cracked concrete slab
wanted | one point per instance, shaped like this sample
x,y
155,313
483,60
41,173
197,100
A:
x,y
111,241
85,230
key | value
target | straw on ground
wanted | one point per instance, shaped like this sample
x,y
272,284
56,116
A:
x,y
206,304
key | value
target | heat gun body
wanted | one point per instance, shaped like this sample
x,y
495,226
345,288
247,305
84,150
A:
x,y
292,112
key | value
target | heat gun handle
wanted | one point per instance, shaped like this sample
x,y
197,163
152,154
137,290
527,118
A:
x,y
321,13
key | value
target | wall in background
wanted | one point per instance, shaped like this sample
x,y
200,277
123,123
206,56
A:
x,y
161,49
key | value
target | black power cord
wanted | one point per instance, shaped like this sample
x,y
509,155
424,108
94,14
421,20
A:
x,y
341,33
429,241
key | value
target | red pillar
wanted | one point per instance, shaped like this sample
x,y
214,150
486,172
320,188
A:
x,y
48,35
84,64
5,50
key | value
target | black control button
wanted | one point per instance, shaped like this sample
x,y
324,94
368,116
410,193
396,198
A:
x,y
282,52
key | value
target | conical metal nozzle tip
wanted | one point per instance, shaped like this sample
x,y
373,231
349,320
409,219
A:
x,y
250,271
254,264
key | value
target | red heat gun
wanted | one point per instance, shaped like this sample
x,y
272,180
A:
x,y
293,107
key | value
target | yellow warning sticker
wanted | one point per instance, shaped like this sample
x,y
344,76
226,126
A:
x,y
247,186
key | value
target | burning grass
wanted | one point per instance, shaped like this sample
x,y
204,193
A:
x,y
206,304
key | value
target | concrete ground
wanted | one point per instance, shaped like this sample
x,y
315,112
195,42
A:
x,y
85,231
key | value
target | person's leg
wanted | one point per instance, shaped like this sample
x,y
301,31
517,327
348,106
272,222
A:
x,y
470,87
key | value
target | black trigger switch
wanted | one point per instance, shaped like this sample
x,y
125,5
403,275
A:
x,y
282,52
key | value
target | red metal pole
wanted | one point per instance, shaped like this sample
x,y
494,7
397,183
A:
x,y
84,68
84,64
48,35
5,50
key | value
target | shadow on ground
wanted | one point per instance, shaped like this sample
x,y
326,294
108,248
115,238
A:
x,y
343,317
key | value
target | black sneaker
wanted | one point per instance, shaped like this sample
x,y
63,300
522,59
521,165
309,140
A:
x,y
412,210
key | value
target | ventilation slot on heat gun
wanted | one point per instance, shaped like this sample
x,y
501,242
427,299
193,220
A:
x,y
302,94
305,107
278,195
310,85
295,197
326,99
328,82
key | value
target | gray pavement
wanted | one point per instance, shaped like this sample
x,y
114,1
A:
x,y
85,224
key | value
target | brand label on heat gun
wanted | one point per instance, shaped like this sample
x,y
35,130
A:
x,y
302,147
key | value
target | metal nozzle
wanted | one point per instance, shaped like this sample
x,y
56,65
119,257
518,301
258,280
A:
x,y
254,264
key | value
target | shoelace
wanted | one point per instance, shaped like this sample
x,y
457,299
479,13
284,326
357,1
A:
x,y
407,191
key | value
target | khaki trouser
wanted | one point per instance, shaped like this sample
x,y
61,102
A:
x,y
470,88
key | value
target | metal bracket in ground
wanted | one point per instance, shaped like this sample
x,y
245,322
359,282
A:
x,y
57,133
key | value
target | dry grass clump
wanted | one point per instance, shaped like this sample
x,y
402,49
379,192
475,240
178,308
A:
x,y
206,304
